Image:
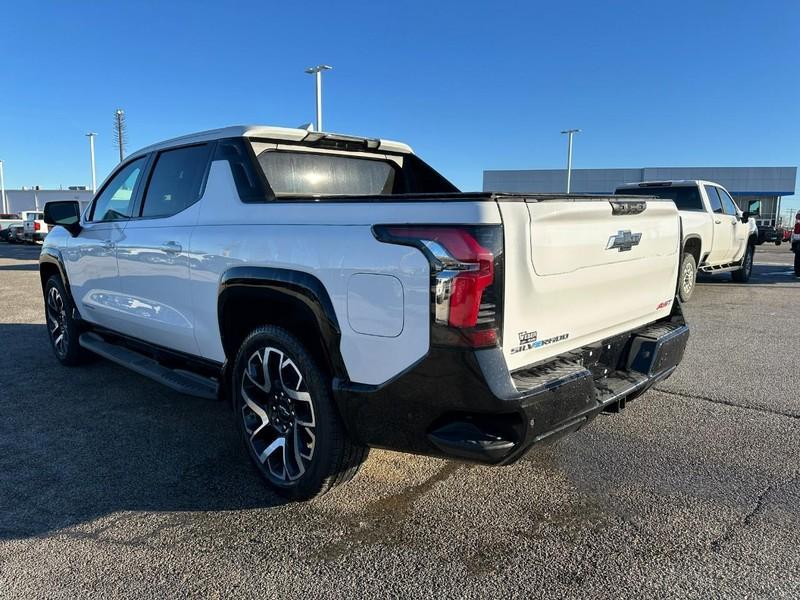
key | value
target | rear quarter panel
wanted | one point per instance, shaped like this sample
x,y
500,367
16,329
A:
x,y
332,241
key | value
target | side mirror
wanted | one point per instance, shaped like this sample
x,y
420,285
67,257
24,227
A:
x,y
66,213
746,216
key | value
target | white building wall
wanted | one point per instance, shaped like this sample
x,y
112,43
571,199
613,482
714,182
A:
x,y
19,200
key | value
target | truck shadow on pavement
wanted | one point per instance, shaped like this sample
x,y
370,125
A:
x,y
80,443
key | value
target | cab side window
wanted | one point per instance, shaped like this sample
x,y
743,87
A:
x,y
115,202
727,202
714,199
176,181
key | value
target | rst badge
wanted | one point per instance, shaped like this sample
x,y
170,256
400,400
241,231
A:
x,y
623,241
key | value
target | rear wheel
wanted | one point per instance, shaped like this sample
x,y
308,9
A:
x,y
743,274
287,419
687,277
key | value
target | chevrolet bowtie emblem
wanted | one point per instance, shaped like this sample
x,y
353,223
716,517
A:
x,y
623,241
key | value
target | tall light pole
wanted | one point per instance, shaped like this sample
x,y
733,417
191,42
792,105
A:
x,y
3,189
317,71
91,137
570,133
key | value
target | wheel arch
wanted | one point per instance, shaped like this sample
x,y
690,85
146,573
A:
x,y
52,263
250,297
693,244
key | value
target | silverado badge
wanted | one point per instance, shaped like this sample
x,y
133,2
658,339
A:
x,y
623,241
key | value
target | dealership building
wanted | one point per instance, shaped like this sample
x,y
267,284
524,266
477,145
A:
x,y
33,198
746,184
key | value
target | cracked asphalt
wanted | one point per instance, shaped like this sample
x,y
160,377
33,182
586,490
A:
x,y
112,486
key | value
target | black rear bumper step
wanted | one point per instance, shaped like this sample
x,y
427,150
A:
x,y
466,405
181,381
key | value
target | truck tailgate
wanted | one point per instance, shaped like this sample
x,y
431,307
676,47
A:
x,y
580,270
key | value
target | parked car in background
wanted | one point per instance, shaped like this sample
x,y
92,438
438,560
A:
x,y
16,228
35,227
16,234
786,234
6,221
343,295
768,233
717,236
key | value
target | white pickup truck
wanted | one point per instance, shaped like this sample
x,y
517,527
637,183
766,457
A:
x,y
344,295
717,236
34,227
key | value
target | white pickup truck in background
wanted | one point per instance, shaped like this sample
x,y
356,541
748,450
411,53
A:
x,y
717,236
34,227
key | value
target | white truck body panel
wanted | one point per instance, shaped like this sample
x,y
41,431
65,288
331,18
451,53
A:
x,y
159,279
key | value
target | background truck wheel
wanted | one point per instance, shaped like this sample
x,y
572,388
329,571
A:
x,y
63,330
287,418
687,277
743,274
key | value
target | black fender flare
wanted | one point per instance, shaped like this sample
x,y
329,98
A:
x,y
52,256
295,286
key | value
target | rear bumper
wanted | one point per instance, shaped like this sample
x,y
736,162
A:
x,y
465,404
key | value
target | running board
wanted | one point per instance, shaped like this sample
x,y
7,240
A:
x,y
726,268
181,381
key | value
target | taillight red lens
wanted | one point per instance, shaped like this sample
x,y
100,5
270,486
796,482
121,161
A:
x,y
465,286
37,226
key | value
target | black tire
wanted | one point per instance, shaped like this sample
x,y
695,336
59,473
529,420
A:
x,y
63,330
280,393
743,274
687,277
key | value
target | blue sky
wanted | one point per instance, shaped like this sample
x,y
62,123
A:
x,y
470,85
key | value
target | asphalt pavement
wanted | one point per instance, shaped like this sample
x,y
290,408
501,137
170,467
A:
x,y
113,486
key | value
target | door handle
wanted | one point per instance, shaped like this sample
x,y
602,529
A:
x,y
171,247
717,222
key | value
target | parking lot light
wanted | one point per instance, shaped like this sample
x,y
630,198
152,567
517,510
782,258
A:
x,y
317,71
3,189
570,133
91,137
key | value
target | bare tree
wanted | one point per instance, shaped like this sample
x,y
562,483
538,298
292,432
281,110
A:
x,y
120,132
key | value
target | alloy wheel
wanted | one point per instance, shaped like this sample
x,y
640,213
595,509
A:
x,y
278,415
687,280
57,321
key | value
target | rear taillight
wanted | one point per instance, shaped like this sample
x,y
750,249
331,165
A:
x,y
466,279
37,226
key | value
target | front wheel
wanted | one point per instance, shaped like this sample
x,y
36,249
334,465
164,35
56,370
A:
x,y
63,329
743,274
687,277
287,419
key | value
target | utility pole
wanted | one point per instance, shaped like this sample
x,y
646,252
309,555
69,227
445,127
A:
x,y
119,132
3,189
317,72
570,133
91,137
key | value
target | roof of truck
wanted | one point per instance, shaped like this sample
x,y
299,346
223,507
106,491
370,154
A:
x,y
279,134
